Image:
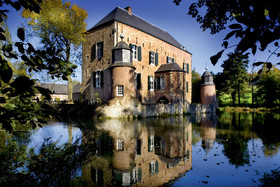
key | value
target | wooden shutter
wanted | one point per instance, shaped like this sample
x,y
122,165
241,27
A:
x,y
139,53
94,79
150,57
102,78
139,174
187,87
149,145
167,60
102,44
156,59
130,46
188,68
173,60
149,84
93,52
156,167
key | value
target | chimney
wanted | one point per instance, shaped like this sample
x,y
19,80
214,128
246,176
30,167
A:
x,y
128,9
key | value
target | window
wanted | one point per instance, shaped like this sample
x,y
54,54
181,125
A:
x,y
153,167
136,52
97,79
187,87
162,82
152,143
120,145
138,81
169,60
153,58
150,83
184,66
120,90
99,50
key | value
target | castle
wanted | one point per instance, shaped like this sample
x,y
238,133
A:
x,y
127,57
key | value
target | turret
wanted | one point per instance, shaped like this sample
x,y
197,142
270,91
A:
x,y
123,74
207,89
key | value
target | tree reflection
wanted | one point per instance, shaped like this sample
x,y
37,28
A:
x,y
266,126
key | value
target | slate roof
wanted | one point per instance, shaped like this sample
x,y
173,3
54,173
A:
x,y
169,67
122,45
60,88
122,16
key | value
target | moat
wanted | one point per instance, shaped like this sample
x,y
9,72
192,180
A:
x,y
228,149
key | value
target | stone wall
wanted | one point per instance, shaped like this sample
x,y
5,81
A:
x,y
110,35
150,43
128,108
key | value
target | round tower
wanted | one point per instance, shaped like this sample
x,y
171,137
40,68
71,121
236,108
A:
x,y
123,74
207,89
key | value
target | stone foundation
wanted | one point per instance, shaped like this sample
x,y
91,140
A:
x,y
129,108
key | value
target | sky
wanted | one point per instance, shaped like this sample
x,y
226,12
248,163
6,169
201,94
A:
x,y
165,15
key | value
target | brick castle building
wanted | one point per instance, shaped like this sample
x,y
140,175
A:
x,y
125,56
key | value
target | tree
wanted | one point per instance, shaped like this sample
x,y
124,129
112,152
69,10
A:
x,y
59,25
17,92
234,74
196,81
255,23
268,88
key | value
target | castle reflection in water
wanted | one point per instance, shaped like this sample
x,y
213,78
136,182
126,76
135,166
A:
x,y
130,153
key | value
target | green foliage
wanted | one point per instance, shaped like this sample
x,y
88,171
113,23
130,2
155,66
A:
x,y
196,81
268,92
51,165
234,75
60,25
16,92
254,23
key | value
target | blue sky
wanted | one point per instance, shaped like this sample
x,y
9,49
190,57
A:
x,y
164,14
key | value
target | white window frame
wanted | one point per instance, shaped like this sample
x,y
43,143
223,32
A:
x,y
152,167
152,57
98,79
134,52
185,66
152,142
120,90
120,145
98,50
169,60
152,84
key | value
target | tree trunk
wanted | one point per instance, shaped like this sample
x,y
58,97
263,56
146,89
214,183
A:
x,y
70,82
233,98
70,136
70,89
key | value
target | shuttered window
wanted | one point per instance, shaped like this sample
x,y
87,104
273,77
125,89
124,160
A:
x,y
136,52
97,51
153,58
